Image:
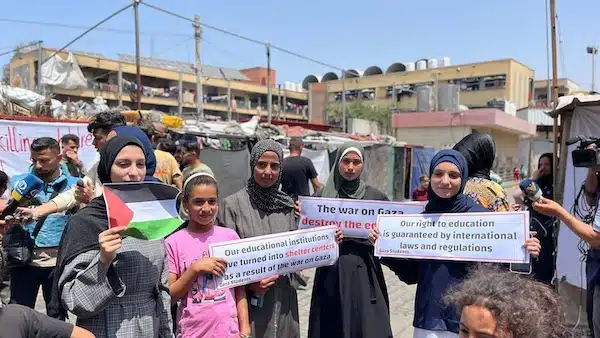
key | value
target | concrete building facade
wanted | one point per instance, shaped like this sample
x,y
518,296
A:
x,y
477,83
243,93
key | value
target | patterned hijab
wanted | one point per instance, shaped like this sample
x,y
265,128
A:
x,y
336,183
267,199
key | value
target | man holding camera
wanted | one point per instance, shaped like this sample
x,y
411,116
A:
x,y
590,234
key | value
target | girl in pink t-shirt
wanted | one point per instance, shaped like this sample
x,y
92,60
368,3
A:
x,y
204,311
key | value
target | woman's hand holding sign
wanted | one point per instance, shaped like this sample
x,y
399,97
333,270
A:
x,y
298,208
533,245
260,288
339,235
373,235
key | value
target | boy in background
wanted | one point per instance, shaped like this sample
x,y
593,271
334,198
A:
x,y
420,192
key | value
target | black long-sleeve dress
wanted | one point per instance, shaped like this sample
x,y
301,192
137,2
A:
x,y
350,298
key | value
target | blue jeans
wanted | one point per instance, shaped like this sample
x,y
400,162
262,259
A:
x,y
25,283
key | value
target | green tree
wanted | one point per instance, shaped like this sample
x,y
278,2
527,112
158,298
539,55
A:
x,y
359,109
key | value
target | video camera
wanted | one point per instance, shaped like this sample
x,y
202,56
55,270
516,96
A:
x,y
583,157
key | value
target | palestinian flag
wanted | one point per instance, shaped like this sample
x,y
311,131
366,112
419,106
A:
x,y
148,209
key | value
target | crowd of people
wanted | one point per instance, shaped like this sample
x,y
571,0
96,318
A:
x,y
119,286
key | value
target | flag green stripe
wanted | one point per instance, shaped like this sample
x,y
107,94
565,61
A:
x,y
155,229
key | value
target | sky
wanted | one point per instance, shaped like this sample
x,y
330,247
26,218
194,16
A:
x,y
348,34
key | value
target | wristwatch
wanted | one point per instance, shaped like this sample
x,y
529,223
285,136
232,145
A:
x,y
244,336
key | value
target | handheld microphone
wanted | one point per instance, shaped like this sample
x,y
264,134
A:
x,y
80,184
24,190
531,190
574,140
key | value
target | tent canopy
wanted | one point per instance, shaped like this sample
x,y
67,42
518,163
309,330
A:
x,y
570,102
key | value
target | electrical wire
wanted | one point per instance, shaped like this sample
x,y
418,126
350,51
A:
x,y
239,36
20,47
582,210
156,54
238,56
111,30
561,49
87,31
548,87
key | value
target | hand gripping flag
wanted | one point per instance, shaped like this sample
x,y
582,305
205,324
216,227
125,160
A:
x,y
148,209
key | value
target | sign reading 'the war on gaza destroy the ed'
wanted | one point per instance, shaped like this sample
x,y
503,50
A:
x,y
355,217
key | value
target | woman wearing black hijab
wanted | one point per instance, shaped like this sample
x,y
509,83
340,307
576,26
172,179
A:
x,y
259,209
479,150
544,176
117,287
432,318
350,298
543,267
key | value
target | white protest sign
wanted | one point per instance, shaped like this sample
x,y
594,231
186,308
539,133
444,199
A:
x,y
252,259
479,237
355,217
16,138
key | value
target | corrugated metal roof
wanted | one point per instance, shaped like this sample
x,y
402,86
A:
x,y
184,67
536,116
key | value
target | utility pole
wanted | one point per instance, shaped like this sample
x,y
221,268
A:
x,y
180,95
198,66
138,74
437,91
279,103
228,100
40,63
344,100
594,70
593,51
269,97
393,107
554,93
120,82
548,91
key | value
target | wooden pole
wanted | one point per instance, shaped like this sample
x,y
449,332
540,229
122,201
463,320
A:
x,y
198,70
138,75
554,94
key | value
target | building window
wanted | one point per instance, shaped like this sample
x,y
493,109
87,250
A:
x,y
494,82
481,82
367,94
470,84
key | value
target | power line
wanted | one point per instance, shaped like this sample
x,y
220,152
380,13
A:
x,y
107,29
225,51
87,31
157,54
561,49
281,49
203,24
20,47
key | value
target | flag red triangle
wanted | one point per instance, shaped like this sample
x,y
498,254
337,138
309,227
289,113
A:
x,y
119,213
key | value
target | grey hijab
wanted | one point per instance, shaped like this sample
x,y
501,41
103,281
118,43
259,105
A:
x,y
336,183
268,199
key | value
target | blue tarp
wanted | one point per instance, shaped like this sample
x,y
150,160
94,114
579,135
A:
x,y
421,158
